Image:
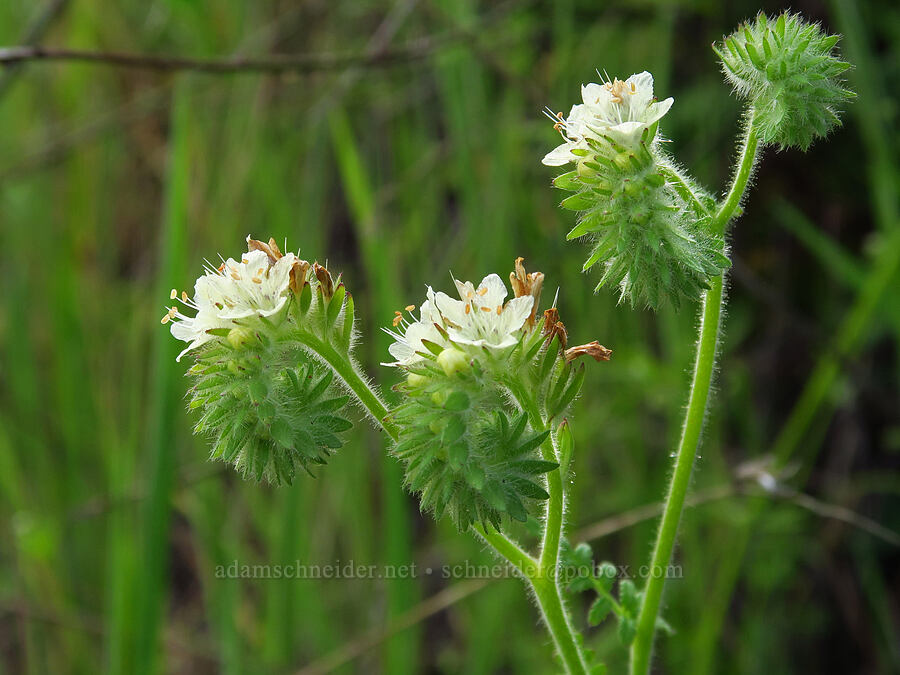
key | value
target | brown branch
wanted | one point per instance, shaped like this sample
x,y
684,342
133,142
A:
x,y
33,36
274,63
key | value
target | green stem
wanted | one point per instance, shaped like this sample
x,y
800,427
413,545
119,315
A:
x,y
541,576
710,321
544,581
547,593
345,369
508,549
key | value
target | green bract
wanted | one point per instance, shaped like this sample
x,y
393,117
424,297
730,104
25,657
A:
x,y
787,68
650,239
268,407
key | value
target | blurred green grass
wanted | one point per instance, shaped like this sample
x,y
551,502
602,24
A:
x,y
114,185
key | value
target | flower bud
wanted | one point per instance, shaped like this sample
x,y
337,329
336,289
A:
x,y
240,337
453,361
416,381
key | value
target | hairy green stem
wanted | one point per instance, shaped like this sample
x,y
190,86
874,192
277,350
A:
x,y
343,366
540,575
544,581
710,322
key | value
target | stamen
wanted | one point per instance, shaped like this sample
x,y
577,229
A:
x,y
499,309
173,294
485,309
184,296
397,320
468,308
410,308
166,318
482,290
257,280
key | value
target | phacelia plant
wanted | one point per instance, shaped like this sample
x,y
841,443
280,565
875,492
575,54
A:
x,y
481,421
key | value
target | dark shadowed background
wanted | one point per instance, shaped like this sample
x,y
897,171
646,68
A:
x,y
115,184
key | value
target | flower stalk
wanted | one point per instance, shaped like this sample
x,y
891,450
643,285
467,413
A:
x,y
704,366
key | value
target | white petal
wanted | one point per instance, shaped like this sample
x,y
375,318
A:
x,y
560,155
402,352
643,83
453,310
516,312
594,94
491,291
656,110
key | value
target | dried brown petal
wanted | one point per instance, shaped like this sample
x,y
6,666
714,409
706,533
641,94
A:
x,y
593,349
527,284
554,327
298,273
325,280
270,249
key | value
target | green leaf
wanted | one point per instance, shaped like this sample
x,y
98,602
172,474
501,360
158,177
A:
x,y
281,432
599,610
584,227
458,454
531,443
606,576
533,466
453,430
627,630
257,390
528,489
628,597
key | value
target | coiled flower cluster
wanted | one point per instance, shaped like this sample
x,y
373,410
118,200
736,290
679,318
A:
x,y
485,377
649,237
788,69
266,402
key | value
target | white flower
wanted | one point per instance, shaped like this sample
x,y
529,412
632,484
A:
x,y
480,318
255,286
408,343
620,110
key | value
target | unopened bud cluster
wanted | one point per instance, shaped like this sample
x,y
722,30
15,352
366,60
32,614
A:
x,y
788,70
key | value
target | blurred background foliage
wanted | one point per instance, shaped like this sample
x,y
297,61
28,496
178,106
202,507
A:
x,y
116,183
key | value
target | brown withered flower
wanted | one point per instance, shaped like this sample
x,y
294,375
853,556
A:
x,y
270,249
593,349
527,284
298,275
554,327
324,277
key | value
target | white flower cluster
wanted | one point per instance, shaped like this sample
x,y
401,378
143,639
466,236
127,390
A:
x,y
617,109
227,297
480,318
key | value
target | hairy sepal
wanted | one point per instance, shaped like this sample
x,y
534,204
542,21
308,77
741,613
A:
x,y
790,72
645,235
